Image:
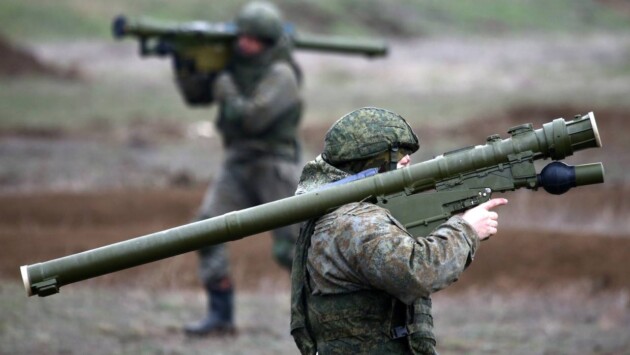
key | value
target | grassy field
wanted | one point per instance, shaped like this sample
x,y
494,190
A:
x,y
449,61
437,80
64,19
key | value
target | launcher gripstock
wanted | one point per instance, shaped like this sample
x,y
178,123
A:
x,y
202,49
420,196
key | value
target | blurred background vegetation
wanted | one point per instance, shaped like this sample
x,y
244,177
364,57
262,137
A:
x,y
432,43
76,19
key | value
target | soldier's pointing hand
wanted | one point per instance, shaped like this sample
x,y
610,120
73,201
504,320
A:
x,y
483,220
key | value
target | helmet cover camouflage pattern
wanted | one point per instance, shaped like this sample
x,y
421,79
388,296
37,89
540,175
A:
x,y
365,133
261,20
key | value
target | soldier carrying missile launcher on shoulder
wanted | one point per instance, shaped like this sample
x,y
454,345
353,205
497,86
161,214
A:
x,y
259,111
246,67
361,283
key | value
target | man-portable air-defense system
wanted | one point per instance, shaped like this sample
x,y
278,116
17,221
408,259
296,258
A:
x,y
420,196
200,50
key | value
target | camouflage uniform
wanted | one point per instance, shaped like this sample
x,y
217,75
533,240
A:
x,y
362,284
259,114
258,121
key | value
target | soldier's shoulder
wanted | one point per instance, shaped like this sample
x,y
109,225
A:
x,y
361,209
281,68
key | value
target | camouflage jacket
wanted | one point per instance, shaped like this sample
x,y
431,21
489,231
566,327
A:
x,y
361,246
260,107
360,251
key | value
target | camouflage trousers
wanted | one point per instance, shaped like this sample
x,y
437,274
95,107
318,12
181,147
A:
x,y
243,184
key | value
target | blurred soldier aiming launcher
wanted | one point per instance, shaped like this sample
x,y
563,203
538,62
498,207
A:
x,y
200,50
420,196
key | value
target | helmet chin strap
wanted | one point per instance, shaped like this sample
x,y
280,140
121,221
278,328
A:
x,y
393,157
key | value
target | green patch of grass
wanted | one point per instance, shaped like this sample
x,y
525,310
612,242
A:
x,y
64,19
44,20
488,16
44,103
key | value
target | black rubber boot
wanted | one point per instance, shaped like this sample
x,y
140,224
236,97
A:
x,y
220,318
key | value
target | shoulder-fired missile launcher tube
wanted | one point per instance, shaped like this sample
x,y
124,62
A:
x,y
227,31
201,50
555,140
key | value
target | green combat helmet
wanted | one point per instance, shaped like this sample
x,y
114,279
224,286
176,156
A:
x,y
261,20
366,133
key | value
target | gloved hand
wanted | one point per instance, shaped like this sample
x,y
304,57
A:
x,y
224,87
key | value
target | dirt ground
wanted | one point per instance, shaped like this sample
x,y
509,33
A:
x,y
528,291
554,280
16,61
